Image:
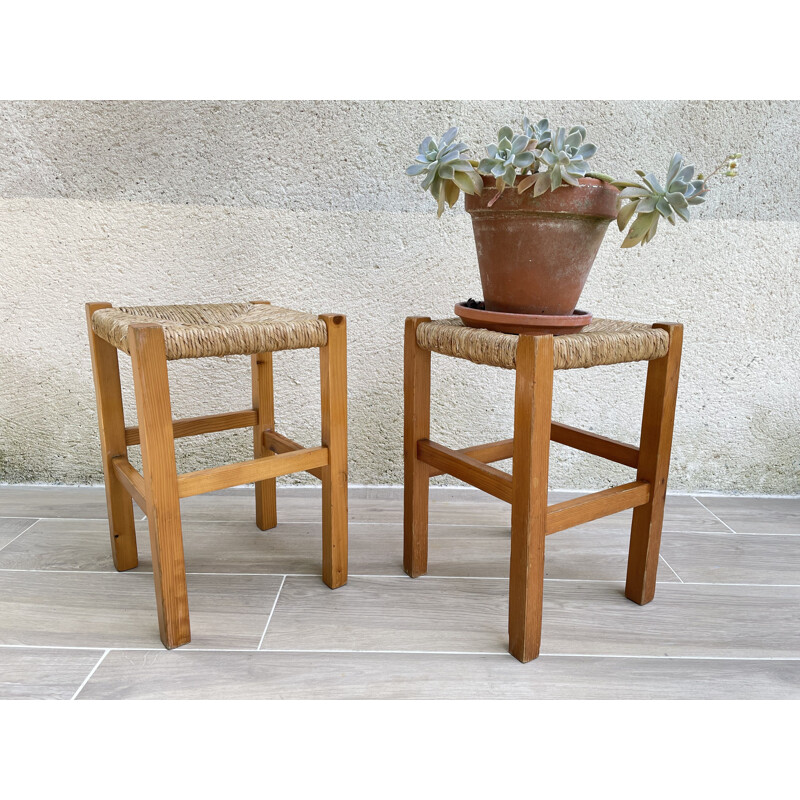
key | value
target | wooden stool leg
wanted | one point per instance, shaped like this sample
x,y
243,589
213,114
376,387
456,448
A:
x,y
333,387
655,447
111,421
532,412
264,404
146,343
416,426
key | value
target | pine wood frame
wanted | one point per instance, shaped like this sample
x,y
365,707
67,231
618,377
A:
x,y
526,488
158,489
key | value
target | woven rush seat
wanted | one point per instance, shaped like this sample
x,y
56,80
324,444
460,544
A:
x,y
604,341
222,329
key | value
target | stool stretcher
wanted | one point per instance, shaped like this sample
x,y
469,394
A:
x,y
195,426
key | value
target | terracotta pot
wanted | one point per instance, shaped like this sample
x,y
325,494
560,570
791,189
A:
x,y
535,253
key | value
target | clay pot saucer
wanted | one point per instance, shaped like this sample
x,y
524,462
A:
x,y
531,324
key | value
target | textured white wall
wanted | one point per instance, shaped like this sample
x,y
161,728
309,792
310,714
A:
x,y
306,204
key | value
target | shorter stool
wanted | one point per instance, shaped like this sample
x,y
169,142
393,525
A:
x,y
535,358
153,335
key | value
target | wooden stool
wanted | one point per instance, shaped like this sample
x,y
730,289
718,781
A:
x,y
535,358
153,335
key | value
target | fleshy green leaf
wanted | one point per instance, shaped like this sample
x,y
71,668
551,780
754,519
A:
x,y
651,232
628,185
526,182
567,177
440,197
634,190
639,229
653,183
647,204
525,159
601,176
674,166
676,199
549,158
451,192
450,156
477,182
626,213
464,182
664,208
519,143
682,212
542,183
448,138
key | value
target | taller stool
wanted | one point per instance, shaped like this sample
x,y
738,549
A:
x,y
535,358
153,335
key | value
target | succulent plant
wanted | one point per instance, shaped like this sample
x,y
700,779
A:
x,y
545,161
506,157
650,201
539,134
446,169
564,161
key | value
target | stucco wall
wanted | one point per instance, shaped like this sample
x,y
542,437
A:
x,y
306,204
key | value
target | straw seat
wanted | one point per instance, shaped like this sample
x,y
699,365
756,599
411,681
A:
x,y
222,329
604,341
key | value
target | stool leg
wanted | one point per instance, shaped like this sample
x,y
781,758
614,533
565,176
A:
x,y
264,404
416,426
655,447
146,343
532,411
333,387
111,421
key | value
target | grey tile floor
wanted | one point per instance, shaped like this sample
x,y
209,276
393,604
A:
x,y
725,622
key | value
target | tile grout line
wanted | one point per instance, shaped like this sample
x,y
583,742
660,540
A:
x,y
35,521
399,523
714,515
398,652
671,658
427,577
75,519
93,670
272,611
397,577
673,571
